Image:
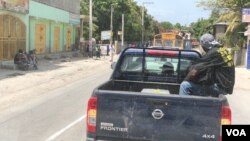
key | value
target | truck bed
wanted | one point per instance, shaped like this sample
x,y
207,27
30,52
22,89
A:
x,y
138,86
125,113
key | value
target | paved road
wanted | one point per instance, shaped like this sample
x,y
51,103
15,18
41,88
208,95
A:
x,y
239,103
58,116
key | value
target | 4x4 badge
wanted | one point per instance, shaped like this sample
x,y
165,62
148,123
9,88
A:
x,y
157,114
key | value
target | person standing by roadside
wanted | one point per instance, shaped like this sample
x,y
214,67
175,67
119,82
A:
x,y
87,50
98,51
108,50
248,57
112,52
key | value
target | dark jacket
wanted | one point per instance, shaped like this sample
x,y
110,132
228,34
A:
x,y
214,67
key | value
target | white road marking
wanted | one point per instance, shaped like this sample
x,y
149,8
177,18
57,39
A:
x,y
54,136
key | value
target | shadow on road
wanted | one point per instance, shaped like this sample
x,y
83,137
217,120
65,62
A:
x,y
43,65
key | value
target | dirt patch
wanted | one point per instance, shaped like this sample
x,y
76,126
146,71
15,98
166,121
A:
x,y
21,87
15,74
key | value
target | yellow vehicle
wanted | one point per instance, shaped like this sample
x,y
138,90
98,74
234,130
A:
x,y
169,39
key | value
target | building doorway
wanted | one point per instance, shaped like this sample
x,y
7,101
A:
x,y
40,41
68,39
12,36
56,39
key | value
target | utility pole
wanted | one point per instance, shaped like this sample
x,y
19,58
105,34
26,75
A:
x,y
111,25
122,30
248,47
142,19
90,26
81,32
142,23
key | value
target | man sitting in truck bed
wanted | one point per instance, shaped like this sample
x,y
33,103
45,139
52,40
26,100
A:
x,y
213,74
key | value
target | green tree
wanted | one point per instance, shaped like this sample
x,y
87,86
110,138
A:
x,y
84,11
228,11
132,12
167,26
200,27
178,26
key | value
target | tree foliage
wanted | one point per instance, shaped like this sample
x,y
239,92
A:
x,y
178,26
133,19
228,11
200,27
167,26
222,11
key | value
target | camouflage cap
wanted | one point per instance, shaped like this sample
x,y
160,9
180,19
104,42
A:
x,y
206,41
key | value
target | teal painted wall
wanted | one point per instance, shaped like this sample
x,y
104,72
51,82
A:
x,y
42,14
32,34
50,25
49,16
43,11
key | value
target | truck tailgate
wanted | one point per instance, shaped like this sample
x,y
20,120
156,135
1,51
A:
x,y
140,116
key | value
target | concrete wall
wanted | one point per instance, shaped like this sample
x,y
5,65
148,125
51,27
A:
x,y
50,25
40,10
40,13
72,6
51,17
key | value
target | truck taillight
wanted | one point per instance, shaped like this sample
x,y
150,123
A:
x,y
91,115
226,117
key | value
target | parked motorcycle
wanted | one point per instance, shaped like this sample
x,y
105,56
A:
x,y
26,61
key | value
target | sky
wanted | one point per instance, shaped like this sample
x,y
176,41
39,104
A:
x,y
175,11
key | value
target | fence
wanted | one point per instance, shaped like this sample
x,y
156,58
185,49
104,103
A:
x,y
240,57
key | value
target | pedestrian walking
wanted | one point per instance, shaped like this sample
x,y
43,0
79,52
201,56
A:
x,y
107,50
112,51
98,51
87,50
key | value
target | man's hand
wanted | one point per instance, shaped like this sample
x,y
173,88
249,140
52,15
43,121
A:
x,y
191,75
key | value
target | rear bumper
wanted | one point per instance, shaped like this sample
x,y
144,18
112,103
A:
x,y
91,139
115,139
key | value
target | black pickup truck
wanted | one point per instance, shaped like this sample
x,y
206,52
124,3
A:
x,y
140,102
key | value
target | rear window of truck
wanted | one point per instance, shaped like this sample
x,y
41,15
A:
x,y
156,65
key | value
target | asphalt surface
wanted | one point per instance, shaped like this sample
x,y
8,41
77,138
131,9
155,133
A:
x,y
239,103
60,115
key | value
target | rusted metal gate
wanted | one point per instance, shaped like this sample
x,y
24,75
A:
x,y
40,41
56,39
68,39
12,36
